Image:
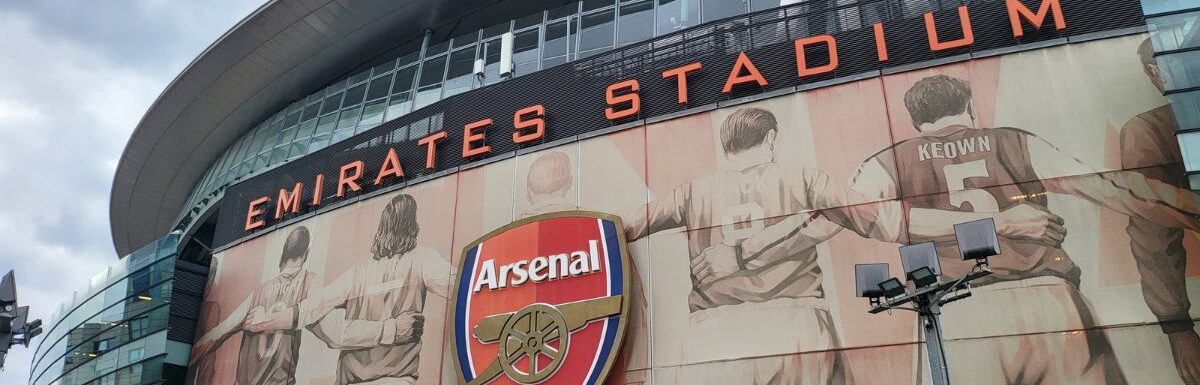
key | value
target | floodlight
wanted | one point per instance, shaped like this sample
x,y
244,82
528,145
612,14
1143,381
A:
x,y
923,276
892,287
921,256
977,239
867,277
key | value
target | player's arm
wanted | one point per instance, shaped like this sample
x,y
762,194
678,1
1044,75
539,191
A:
x,y
1125,192
347,334
667,213
311,309
216,336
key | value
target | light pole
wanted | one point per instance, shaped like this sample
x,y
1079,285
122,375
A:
x,y
976,241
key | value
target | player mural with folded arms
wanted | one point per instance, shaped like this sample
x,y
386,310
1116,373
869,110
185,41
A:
x,y
742,287
954,165
380,303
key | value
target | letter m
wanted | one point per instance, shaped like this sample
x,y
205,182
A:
x,y
1017,10
288,202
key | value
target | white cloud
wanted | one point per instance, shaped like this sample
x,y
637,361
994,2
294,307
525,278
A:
x,y
75,78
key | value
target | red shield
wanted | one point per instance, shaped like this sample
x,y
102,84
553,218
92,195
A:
x,y
542,300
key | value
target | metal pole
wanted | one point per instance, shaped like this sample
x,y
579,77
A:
x,y
933,341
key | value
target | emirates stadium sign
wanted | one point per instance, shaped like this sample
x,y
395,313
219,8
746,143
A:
x,y
542,300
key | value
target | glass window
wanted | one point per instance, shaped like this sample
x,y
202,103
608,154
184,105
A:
x,y
458,73
318,142
636,22
432,71
1186,108
1180,70
373,113
1150,7
596,33
418,129
720,9
674,15
404,80
437,49
311,111
349,118
332,103
326,124
1189,145
430,87
758,5
1174,32
558,42
399,105
467,38
525,52
379,87
354,95
589,5
491,61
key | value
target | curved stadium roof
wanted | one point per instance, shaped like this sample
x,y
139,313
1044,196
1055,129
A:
x,y
279,53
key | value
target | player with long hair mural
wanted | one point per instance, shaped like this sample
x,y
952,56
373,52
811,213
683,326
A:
x,y
383,299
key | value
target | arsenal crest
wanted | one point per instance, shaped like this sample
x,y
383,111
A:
x,y
542,300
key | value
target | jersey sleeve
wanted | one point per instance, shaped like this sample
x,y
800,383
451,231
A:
x,y
882,220
666,213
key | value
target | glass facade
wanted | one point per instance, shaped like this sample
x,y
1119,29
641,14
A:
x,y
115,332
1176,61
398,86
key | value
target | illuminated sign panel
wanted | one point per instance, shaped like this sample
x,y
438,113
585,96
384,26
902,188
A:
x,y
542,300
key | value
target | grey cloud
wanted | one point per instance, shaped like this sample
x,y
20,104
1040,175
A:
x,y
75,78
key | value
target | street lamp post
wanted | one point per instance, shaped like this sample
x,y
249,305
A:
x,y
976,240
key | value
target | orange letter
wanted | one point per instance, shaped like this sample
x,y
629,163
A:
x,y
254,211
968,35
1015,8
680,75
349,180
880,43
469,136
391,167
318,189
430,143
735,76
802,64
288,202
535,115
630,97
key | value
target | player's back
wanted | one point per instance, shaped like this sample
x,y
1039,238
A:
x,y
979,170
731,206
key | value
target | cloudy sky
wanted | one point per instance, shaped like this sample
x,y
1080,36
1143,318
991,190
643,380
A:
x,y
75,78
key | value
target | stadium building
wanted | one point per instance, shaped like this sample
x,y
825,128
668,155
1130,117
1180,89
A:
x,y
386,191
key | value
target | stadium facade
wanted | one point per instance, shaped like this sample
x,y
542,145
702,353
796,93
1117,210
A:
x,y
339,192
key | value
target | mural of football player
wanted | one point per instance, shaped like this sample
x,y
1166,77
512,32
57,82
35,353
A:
x,y
997,169
739,284
1149,147
382,299
267,356
549,180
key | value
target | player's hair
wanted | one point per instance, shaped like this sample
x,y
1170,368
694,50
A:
x,y
549,173
746,128
936,97
295,246
398,228
1146,52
